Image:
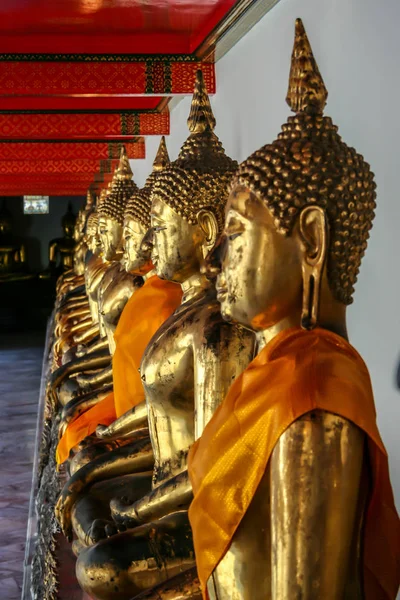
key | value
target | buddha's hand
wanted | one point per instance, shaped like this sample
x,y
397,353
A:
x,y
100,529
62,427
65,504
83,381
57,377
103,432
124,514
80,351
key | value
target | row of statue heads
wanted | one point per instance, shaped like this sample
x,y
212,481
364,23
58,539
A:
x,y
308,165
209,297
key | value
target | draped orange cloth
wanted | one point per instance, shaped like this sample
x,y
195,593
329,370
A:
x,y
143,315
298,371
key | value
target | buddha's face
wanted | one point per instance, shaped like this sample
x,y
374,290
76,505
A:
x,y
137,255
5,226
69,229
261,278
93,240
110,233
177,249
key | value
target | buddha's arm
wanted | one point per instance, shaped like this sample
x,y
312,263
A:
x,y
22,254
175,494
87,335
78,311
65,322
67,289
68,337
132,458
87,382
217,364
97,344
75,293
97,361
77,406
83,324
53,248
315,481
72,305
116,296
126,425
224,354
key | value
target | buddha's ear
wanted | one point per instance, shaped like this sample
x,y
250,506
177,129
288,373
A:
x,y
209,225
313,230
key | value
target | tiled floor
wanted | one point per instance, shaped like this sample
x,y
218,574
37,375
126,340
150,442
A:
x,y
20,369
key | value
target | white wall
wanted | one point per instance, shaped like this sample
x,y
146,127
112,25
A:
x,y
357,46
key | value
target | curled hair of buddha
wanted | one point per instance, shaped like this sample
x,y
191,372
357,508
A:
x,y
86,210
139,204
198,179
114,201
92,223
310,165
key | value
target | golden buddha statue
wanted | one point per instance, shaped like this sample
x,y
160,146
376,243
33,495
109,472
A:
x,y
292,497
116,285
135,262
86,246
12,252
121,451
75,311
81,234
186,371
110,211
83,216
61,250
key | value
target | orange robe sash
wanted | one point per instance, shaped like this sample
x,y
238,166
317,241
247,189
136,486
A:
x,y
144,313
297,372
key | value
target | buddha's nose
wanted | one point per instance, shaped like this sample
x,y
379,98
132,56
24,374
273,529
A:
x,y
148,241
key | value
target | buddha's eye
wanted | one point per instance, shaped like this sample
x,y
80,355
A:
x,y
158,228
233,236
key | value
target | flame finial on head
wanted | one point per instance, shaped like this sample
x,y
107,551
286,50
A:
x,y
121,187
201,116
89,199
198,179
310,165
139,204
162,157
306,92
123,171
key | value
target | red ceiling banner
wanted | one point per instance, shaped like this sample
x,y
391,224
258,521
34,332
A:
x,y
79,103
10,180
154,75
81,125
99,26
21,167
44,190
70,150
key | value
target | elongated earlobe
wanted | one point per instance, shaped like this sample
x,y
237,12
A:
x,y
208,223
314,234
